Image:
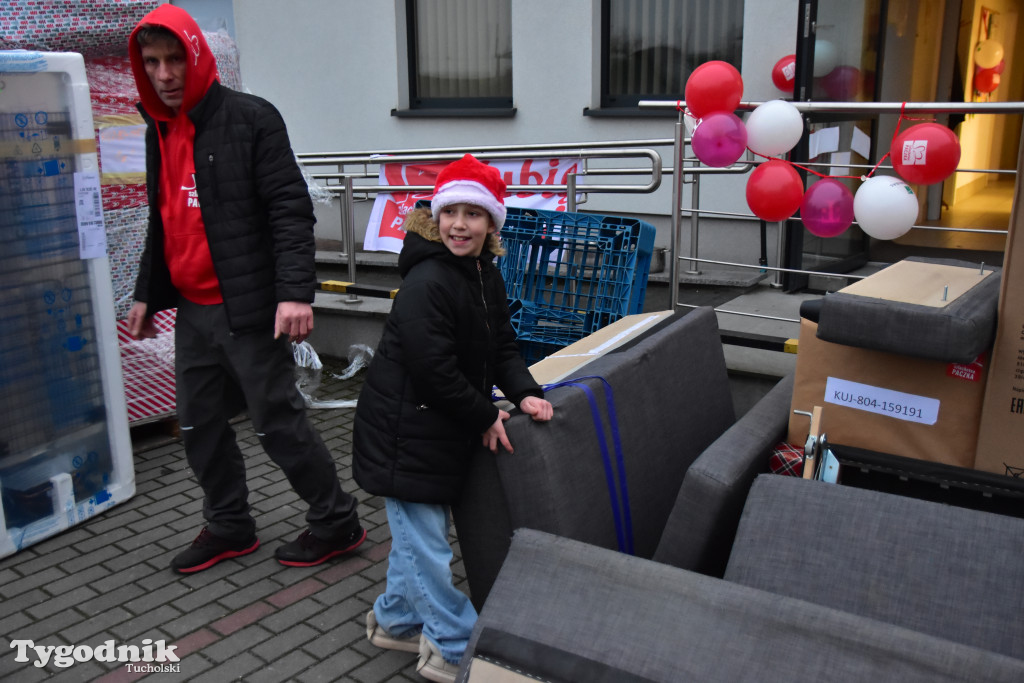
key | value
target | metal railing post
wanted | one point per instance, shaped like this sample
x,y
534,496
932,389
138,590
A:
x,y
349,234
570,192
694,224
780,245
677,212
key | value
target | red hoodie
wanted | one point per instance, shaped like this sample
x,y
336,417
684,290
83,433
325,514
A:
x,y
185,246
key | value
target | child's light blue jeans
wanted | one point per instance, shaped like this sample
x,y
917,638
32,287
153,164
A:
x,y
420,595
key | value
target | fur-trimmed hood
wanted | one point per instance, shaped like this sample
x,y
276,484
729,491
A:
x,y
422,223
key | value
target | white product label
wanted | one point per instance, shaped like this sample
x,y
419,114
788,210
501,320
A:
x,y
92,237
915,152
907,407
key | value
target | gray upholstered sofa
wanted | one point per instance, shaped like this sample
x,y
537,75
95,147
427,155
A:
x,y
562,480
823,582
735,575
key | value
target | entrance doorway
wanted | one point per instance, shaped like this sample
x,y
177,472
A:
x,y
913,51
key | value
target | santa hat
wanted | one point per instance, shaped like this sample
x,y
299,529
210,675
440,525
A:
x,y
468,181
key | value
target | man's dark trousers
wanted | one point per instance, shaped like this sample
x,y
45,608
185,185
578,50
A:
x,y
219,373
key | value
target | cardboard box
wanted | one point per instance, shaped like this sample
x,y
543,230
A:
x,y
567,360
1002,416
885,402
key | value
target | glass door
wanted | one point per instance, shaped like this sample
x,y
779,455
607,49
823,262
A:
x,y
838,59
865,51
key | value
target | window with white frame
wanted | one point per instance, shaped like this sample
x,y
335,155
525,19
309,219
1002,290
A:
x,y
460,54
650,47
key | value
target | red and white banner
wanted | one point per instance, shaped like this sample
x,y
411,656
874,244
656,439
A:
x,y
384,230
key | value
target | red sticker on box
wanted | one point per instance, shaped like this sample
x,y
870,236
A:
x,y
971,373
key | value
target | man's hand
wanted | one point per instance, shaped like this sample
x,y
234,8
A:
x,y
294,319
495,434
139,326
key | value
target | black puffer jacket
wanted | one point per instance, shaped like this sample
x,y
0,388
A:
x,y
255,206
426,398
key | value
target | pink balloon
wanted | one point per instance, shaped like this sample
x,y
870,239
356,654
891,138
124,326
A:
x,y
719,139
842,83
827,208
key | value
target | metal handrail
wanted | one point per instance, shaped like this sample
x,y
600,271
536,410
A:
x,y
582,151
805,107
342,182
871,107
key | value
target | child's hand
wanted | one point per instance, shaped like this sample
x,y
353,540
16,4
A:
x,y
538,408
495,434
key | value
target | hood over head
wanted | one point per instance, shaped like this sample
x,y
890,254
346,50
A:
x,y
201,70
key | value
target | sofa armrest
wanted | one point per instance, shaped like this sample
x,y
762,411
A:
x,y
701,526
561,603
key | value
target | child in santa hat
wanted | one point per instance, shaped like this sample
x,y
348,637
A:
x,y
426,406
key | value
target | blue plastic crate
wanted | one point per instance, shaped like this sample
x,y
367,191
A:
x,y
570,274
533,351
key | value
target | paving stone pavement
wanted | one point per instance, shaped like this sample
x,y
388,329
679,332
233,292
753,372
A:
x,y
248,619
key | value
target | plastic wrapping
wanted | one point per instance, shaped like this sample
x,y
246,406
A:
x,y
98,27
65,448
309,372
148,369
317,192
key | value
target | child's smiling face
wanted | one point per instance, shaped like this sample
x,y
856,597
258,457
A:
x,y
464,228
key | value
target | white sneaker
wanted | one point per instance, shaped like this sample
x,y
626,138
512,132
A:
x,y
432,665
381,638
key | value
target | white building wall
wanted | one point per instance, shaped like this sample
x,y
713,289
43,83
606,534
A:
x,y
336,70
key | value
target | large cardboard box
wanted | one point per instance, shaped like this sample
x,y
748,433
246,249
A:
x,y
1002,415
887,402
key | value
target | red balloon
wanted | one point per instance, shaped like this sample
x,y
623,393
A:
x,y
784,73
986,80
774,190
842,83
925,154
713,86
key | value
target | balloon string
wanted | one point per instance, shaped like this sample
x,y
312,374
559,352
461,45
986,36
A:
x,y
903,117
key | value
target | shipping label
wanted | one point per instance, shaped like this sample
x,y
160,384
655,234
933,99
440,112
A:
x,y
871,399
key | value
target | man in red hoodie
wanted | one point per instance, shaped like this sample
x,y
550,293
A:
x,y
230,245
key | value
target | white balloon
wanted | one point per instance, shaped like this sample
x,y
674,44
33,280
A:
x,y
774,128
988,54
885,207
826,58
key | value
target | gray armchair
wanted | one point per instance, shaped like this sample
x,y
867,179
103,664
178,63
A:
x,y
563,481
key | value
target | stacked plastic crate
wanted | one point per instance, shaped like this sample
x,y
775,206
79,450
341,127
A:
x,y
570,274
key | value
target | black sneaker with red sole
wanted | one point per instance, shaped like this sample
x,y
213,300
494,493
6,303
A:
x,y
308,550
208,549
